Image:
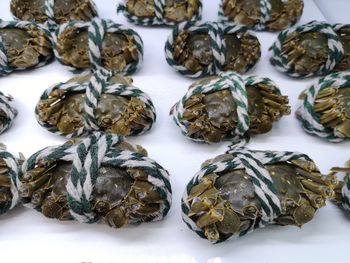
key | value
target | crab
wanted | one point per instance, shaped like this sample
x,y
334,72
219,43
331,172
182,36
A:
x,y
64,10
212,117
116,114
25,47
174,11
118,49
194,52
120,196
344,35
283,13
307,52
225,204
333,106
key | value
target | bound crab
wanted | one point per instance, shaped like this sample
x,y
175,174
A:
x,y
309,50
223,107
121,108
121,48
113,181
237,192
9,183
156,12
7,112
198,50
60,11
325,111
23,45
270,15
343,31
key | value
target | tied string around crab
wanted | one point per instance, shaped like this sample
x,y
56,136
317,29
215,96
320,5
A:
x,y
342,190
314,49
23,45
97,177
325,108
97,83
51,13
159,17
229,107
243,190
201,49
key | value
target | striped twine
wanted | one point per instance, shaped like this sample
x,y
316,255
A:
x,y
265,15
335,51
97,28
216,32
91,103
10,113
5,68
237,86
309,119
14,174
253,162
159,18
87,156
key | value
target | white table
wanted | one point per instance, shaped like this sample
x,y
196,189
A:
x,y
335,11
27,236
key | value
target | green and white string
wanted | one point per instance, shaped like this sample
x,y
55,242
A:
x,y
265,14
216,32
91,104
159,18
97,29
346,193
10,112
87,156
253,162
237,86
5,68
310,120
335,49
14,174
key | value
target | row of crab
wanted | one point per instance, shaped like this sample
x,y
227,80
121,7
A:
x,y
211,111
271,15
232,194
193,49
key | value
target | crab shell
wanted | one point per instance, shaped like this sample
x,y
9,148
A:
x,y
64,10
26,47
118,49
116,114
333,106
120,196
225,205
212,117
194,51
248,13
174,11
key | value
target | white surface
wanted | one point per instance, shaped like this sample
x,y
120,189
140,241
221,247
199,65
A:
x,y
335,11
27,236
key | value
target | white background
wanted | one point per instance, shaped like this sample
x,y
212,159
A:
x,y
27,236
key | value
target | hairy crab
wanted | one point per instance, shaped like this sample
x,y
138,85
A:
x,y
282,14
122,109
119,50
64,10
174,10
26,45
121,191
225,203
211,116
194,50
343,31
